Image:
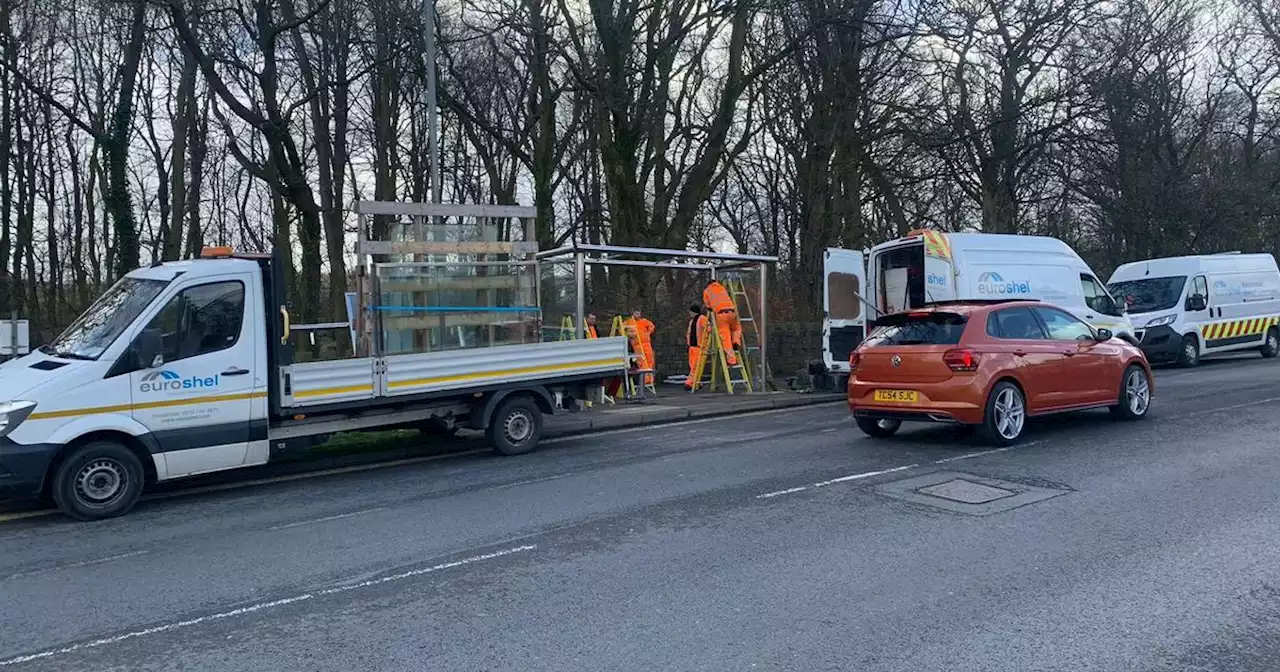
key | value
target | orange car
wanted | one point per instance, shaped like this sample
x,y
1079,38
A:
x,y
991,364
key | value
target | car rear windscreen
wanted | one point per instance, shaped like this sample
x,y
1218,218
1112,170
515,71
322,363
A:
x,y
933,328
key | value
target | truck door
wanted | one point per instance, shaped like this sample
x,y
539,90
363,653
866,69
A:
x,y
197,397
844,306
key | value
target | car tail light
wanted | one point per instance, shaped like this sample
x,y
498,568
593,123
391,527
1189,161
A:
x,y
854,358
961,360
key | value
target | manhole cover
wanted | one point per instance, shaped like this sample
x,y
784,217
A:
x,y
966,492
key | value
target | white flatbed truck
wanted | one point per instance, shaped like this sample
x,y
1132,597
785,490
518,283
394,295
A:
x,y
186,368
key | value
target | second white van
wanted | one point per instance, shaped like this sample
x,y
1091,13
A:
x,y
1190,307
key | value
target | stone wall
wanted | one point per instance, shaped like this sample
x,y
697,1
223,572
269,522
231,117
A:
x,y
791,346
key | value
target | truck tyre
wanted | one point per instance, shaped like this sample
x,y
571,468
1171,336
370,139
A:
x,y
1189,355
1135,395
880,429
98,480
515,427
1271,347
1006,415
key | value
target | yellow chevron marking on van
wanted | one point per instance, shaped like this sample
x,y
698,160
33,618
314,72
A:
x,y
1254,326
167,403
505,372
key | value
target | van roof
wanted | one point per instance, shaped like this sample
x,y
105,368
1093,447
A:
x,y
996,242
1195,264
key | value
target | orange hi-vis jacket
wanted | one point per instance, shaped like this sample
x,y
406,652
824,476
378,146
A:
x,y
591,331
717,298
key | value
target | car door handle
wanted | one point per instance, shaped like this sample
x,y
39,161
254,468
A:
x,y
1069,353
235,372
1020,352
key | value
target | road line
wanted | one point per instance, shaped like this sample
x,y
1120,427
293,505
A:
x,y
984,452
97,643
1247,404
326,518
788,491
73,565
857,477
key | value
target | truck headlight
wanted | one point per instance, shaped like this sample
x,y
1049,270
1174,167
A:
x,y
12,413
1162,321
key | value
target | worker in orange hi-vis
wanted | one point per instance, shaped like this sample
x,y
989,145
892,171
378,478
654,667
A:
x,y
644,329
696,336
721,305
591,326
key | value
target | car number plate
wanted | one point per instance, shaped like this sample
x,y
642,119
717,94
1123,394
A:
x,y
898,396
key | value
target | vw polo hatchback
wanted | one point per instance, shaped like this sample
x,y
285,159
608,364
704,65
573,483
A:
x,y
991,365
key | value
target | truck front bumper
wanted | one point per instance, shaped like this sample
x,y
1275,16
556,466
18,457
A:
x,y
1161,344
22,468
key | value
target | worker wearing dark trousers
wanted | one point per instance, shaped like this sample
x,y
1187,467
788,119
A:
x,y
696,337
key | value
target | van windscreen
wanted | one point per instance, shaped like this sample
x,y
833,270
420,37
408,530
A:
x,y
928,328
1149,294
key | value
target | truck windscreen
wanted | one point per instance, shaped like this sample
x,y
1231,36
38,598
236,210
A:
x,y
99,326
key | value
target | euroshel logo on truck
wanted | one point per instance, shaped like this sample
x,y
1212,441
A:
x,y
991,283
168,381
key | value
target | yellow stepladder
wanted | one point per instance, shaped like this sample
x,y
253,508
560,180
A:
x,y
567,332
713,355
618,328
746,317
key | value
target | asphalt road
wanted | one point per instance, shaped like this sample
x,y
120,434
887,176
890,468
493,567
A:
x,y
780,541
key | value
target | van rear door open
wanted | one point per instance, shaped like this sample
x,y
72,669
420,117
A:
x,y
844,306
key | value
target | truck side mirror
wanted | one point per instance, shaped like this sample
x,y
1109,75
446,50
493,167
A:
x,y
149,349
1196,302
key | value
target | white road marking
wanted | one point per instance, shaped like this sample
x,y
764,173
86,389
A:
x,y
73,565
984,452
1233,407
255,608
788,491
869,474
326,518
842,479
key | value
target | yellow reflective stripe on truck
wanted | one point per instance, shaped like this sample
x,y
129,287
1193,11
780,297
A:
x,y
506,372
1254,326
121,408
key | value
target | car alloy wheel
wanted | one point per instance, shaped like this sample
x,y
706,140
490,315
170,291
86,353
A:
x,y
1010,413
1137,392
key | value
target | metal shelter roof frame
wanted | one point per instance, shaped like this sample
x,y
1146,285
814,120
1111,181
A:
x,y
714,263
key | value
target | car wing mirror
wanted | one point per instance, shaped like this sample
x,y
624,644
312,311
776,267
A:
x,y
1104,335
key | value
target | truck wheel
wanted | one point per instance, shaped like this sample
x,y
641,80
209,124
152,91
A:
x,y
102,479
1271,347
1189,355
879,429
515,427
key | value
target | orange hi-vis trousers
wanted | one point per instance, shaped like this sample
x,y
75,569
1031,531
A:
x,y
730,331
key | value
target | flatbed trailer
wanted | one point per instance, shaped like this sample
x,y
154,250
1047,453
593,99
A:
x,y
186,368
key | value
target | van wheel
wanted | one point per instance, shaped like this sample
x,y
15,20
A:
x,y
1271,347
879,428
1135,395
1006,414
516,426
102,479
1189,356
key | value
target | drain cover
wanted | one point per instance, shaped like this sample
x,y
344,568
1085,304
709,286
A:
x,y
966,492
969,494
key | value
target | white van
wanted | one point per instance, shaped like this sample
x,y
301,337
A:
x,y
1189,307
929,266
